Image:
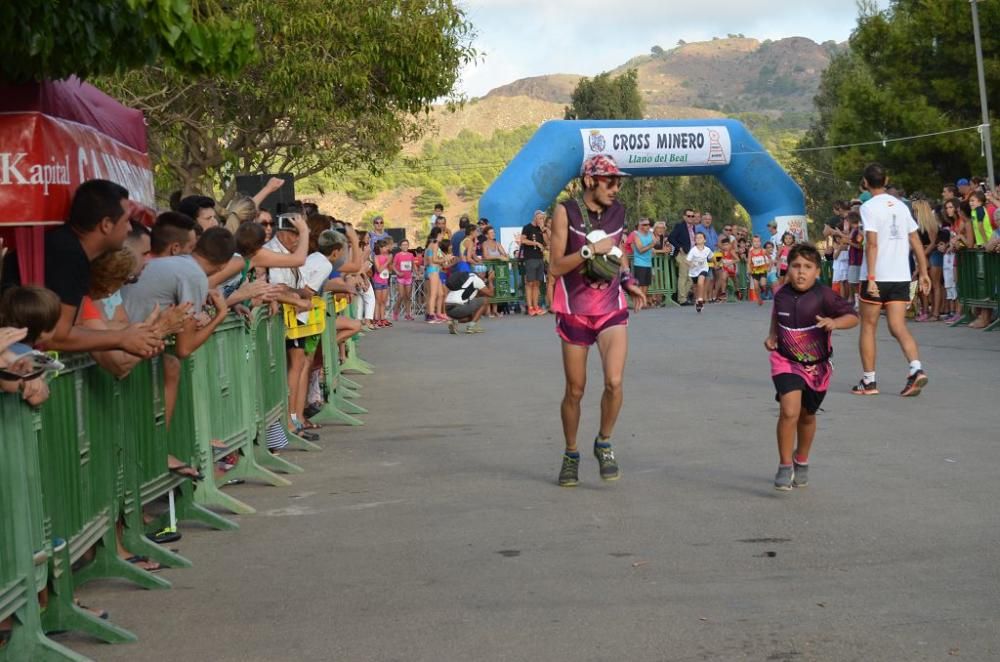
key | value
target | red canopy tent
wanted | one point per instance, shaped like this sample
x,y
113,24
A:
x,y
54,136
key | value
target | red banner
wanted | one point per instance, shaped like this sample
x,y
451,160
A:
x,y
43,159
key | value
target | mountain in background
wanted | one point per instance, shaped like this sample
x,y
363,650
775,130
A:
x,y
721,77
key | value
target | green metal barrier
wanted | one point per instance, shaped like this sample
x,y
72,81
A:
x,y
338,408
216,390
24,550
79,447
978,274
270,380
353,362
126,437
664,278
508,283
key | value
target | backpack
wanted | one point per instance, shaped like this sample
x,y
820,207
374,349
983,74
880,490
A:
x,y
457,281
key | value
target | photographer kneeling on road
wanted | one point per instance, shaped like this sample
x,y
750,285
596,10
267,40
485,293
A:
x,y
462,303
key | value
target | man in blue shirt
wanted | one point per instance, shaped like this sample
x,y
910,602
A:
x,y
711,236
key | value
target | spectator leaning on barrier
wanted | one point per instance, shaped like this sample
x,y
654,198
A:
x,y
27,315
173,234
98,223
299,285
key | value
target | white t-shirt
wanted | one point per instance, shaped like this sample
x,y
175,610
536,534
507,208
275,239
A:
x,y
698,260
891,220
282,275
456,296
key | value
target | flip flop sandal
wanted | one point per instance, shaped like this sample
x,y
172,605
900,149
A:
x,y
102,614
309,425
136,560
164,536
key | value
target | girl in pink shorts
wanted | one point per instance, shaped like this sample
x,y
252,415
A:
x,y
402,264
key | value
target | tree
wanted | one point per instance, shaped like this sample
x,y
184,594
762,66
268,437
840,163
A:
x,y
656,50
49,39
911,70
338,85
607,98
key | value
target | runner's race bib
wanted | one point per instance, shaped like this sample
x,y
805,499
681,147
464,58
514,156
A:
x,y
406,265
758,260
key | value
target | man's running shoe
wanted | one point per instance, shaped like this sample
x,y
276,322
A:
x,y
801,478
569,474
914,384
783,479
861,388
453,327
606,461
474,327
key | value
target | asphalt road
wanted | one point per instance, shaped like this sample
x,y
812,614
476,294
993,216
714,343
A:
x,y
436,531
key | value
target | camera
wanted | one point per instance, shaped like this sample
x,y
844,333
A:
x,y
285,222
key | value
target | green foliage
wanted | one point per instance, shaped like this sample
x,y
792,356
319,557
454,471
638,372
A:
x,y
53,39
432,194
338,86
607,98
909,70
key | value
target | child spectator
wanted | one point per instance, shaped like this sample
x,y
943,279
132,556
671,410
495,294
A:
x,y
787,241
758,264
803,317
402,265
28,315
951,307
697,259
855,256
381,274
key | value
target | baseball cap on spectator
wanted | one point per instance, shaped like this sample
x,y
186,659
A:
x,y
962,182
599,165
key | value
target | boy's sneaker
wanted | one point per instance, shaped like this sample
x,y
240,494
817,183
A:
x,y
569,473
474,327
861,388
453,327
606,460
914,384
801,477
783,479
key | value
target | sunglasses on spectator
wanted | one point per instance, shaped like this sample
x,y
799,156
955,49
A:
x,y
267,224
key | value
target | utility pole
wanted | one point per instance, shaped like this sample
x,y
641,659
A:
x,y
987,140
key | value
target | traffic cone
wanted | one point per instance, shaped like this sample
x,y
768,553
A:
x,y
754,298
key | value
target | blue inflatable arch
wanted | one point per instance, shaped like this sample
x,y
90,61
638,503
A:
x,y
648,148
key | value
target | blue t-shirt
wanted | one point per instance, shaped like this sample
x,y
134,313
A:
x,y
643,259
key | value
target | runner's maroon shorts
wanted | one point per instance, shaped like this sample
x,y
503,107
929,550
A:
x,y
584,329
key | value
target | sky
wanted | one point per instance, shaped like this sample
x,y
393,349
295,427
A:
x,y
521,38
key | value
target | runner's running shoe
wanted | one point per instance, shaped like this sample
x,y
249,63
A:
x,y
801,478
914,384
606,460
783,479
569,473
453,327
861,388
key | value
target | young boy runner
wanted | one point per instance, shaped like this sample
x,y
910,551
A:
x,y
758,263
890,235
590,306
804,314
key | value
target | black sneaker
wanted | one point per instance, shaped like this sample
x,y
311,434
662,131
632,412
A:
x,y
606,460
569,473
861,388
914,384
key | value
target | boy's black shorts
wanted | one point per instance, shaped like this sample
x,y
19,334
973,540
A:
x,y
788,382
